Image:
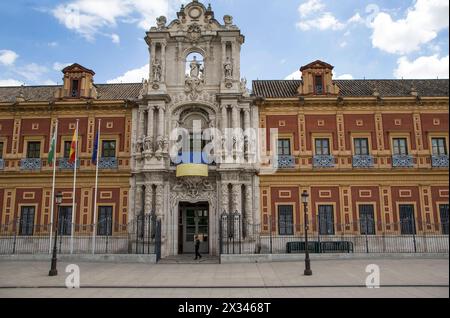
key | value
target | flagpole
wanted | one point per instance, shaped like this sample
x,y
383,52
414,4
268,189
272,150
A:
x,y
52,201
74,190
94,230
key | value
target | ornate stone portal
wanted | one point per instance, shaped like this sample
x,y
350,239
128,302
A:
x,y
182,89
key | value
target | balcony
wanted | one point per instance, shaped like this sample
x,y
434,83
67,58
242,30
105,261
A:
x,y
440,161
286,162
64,164
324,161
402,161
2,164
108,163
30,164
365,161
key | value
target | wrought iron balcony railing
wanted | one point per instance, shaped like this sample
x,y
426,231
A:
x,y
286,162
402,161
108,163
2,164
324,161
365,161
440,161
64,164
30,164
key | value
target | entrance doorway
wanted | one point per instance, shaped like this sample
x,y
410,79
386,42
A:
x,y
193,220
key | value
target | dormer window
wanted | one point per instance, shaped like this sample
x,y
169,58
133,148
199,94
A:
x,y
74,90
318,85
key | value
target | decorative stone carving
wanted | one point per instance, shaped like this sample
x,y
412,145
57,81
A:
x,y
193,86
194,32
157,71
161,22
244,90
196,69
148,145
193,186
228,20
139,146
228,69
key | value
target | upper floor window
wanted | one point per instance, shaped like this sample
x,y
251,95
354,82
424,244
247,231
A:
x,y
361,146
67,147
109,149
1,150
322,147
400,147
284,147
34,150
318,84
439,147
75,91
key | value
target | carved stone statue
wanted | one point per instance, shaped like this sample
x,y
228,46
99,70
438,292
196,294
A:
x,y
157,71
228,69
161,22
139,146
195,68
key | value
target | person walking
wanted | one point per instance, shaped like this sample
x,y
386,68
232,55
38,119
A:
x,y
197,248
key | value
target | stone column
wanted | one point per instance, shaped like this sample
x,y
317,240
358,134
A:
x,y
249,211
152,59
159,201
237,198
161,121
225,199
141,124
150,121
224,123
138,199
148,199
163,62
235,117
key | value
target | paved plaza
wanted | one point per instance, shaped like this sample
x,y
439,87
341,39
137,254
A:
x,y
336,278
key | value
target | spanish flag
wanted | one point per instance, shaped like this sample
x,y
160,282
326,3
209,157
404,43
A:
x,y
73,148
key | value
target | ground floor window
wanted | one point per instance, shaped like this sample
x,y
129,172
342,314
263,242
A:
x,y
104,226
326,219
27,220
65,220
367,219
443,208
407,221
285,220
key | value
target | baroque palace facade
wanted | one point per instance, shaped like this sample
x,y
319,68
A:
x,y
372,150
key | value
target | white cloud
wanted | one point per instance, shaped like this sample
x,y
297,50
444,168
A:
x,y
53,44
115,38
343,44
424,67
344,77
32,72
60,66
309,7
132,76
324,22
297,75
10,82
89,17
8,57
322,19
421,25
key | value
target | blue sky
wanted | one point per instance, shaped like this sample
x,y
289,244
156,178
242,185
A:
x,y
362,39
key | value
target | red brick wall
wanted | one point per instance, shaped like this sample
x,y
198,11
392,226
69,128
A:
x,y
291,127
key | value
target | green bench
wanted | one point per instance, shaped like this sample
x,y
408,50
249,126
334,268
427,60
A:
x,y
320,247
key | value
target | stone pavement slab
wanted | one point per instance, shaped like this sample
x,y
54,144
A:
x,y
332,278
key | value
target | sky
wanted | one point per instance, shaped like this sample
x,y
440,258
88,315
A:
x,y
375,39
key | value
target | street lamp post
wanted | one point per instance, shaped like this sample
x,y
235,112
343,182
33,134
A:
x,y
53,270
305,200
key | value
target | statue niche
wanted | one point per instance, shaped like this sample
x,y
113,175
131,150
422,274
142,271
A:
x,y
194,75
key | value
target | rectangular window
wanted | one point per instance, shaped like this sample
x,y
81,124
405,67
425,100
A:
x,y
65,220
1,150
400,147
407,221
367,219
26,221
34,150
318,83
443,208
361,146
75,89
439,147
326,220
284,147
286,220
67,147
322,147
105,215
109,149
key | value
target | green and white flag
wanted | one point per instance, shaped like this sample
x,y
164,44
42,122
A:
x,y
51,152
